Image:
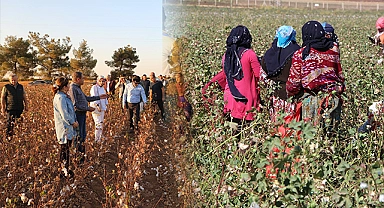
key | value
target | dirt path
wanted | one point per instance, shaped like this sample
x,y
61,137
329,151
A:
x,y
157,186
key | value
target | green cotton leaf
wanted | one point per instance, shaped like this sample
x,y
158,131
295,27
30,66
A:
x,y
309,131
262,163
259,176
348,202
262,187
245,177
343,166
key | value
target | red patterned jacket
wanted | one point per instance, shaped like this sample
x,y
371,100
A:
x,y
320,71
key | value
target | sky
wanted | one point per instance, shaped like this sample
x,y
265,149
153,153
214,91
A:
x,y
106,25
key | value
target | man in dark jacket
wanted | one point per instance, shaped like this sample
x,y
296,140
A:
x,y
157,93
13,102
145,83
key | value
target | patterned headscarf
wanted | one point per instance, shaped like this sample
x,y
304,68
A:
x,y
313,35
285,34
276,56
238,40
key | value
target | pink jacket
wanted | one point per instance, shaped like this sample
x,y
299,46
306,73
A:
x,y
248,86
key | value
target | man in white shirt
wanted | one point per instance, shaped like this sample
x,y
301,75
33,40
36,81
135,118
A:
x,y
100,107
133,93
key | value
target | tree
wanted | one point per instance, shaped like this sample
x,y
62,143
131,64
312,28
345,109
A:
x,y
52,54
83,60
123,61
17,55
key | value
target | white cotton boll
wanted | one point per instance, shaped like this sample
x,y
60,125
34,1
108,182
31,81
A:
x,y
23,198
380,61
243,146
254,205
324,181
381,198
325,199
375,107
136,186
65,172
196,190
30,202
363,185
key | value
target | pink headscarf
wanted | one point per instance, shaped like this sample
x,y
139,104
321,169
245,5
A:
x,y
380,23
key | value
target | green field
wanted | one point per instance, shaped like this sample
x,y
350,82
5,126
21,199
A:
x,y
342,171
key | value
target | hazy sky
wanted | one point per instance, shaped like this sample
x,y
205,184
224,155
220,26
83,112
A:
x,y
106,25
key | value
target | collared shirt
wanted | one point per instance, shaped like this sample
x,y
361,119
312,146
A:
x,y
133,94
97,90
79,99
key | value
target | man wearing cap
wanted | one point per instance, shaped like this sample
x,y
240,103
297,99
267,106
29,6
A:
x,y
100,107
132,95
80,102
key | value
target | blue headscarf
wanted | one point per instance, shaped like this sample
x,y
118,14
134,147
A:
x,y
285,34
238,40
276,56
313,35
330,30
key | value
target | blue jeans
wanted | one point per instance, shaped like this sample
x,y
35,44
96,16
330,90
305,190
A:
x,y
81,134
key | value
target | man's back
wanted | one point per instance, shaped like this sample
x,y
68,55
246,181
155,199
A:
x,y
156,88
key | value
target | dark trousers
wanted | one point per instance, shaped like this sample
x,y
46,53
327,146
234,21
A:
x,y
133,110
11,119
81,134
160,103
64,153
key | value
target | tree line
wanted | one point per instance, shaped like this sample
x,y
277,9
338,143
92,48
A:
x,y
48,57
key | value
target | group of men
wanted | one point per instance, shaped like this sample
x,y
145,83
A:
x,y
134,94
131,93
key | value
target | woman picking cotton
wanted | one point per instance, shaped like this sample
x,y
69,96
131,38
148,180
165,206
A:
x,y
276,63
100,107
316,72
242,72
65,121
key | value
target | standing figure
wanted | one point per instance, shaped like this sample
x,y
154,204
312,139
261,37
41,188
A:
x,y
330,32
145,83
100,107
132,95
157,94
276,63
109,86
120,86
316,74
378,39
80,101
13,102
65,122
242,72
182,102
